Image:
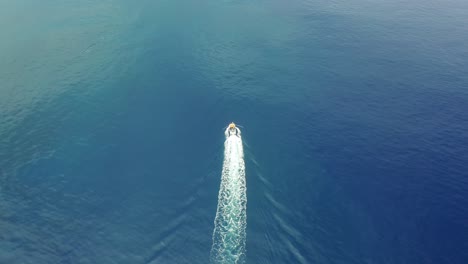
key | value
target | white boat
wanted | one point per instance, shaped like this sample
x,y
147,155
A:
x,y
232,130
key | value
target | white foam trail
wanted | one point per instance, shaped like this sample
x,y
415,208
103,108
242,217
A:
x,y
231,218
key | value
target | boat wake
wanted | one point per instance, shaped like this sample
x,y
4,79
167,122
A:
x,y
231,219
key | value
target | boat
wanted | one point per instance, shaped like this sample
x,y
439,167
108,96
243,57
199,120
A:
x,y
232,130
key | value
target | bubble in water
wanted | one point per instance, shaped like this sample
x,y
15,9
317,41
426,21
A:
x,y
231,219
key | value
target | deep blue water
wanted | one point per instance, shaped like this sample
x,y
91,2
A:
x,y
354,118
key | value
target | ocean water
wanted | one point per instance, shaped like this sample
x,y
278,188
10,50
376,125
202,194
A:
x,y
354,127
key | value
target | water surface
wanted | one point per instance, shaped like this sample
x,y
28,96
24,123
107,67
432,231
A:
x,y
354,116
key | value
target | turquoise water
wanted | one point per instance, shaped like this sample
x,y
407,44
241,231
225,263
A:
x,y
112,117
229,234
